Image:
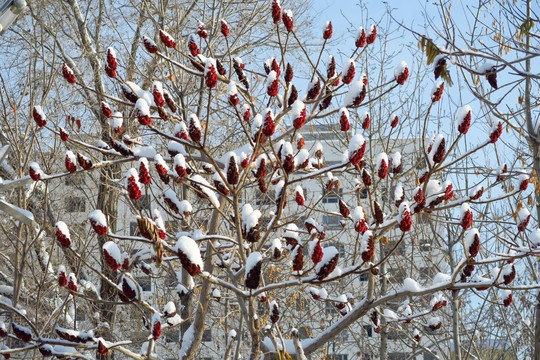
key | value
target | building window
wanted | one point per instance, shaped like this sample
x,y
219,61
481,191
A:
x,y
425,272
207,335
80,315
397,356
74,204
331,221
363,193
145,283
73,180
170,337
400,249
332,197
363,277
369,330
424,245
430,356
134,229
339,357
329,307
266,199
144,203
395,335
304,332
340,248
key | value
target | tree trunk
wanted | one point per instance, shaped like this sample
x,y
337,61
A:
x,y
108,203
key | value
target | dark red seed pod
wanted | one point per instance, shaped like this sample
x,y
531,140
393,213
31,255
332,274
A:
x,y
169,100
293,96
491,76
272,84
129,94
162,114
232,170
192,46
274,316
331,68
360,97
62,279
327,30
84,162
508,277
348,72
367,255
262,185
106,110
288,73
157,93
144,172
366,121
62,234
129,288
39,116
275,66
220,186
361,226
167,39
440,65
21,332
70,160
317,252
297,258
508,300
439,153
63,134
405,221
269,127
466,216
437,92
344,209
288,163
110,72
195,128
224,28
448,192
401,73
68,74
276,11
360,40
325,103
201,30
344,123
149,45
252,278
210,73
328,267
379,217
496,132
394,121
366,177
220,68
419,195
299,198
474,246
372,34
314,89
288,20
111,58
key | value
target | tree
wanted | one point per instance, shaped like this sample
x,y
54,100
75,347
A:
x,y
491,55
232,157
